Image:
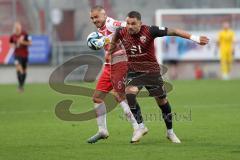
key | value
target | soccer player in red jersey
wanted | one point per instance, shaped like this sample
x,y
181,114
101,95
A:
x,y
112,76
143,68
20,41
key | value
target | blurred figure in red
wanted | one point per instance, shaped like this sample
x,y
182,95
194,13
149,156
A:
x,y
198,72
20,41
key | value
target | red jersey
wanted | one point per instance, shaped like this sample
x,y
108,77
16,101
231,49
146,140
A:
x,y
20,50
140,48
108,30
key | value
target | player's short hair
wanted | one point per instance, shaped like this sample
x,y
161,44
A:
x,y
134,14
97,7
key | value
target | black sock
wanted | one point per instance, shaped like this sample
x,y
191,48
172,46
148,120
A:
x,y
134,107
21,81
23,78
167,115
137,114
19,78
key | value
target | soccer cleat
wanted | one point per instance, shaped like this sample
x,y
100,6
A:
x,y
138,134
173,138
20,89
98,136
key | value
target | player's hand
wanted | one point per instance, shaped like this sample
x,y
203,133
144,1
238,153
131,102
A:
x,y
107,40
20,40
204,40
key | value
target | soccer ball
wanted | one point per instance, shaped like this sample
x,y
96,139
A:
x,y
95,40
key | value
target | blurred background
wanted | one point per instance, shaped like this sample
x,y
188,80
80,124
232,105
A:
x,y
59,29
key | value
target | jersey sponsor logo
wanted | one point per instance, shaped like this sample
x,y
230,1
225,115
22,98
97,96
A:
x,y
143,39
136,50
117,23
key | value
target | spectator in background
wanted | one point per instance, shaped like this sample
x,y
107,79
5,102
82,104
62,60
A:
x,y
20,41
226,38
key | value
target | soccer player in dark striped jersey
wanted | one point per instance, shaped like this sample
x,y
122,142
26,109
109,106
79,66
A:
x,y
20,41
143,68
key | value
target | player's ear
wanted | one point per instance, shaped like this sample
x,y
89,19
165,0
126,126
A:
x,y
104,13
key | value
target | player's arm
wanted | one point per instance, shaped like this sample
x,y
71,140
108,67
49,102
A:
x,y
202,40
12,43
25,40
114,41
218,39
163,31
234,42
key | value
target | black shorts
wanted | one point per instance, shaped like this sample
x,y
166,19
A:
x,y
22,61
153,82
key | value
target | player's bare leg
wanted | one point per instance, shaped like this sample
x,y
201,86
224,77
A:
x,y
99,105
224,68
131,93
167,116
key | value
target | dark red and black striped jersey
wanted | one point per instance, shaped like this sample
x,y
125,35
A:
x,y
21,50
140,47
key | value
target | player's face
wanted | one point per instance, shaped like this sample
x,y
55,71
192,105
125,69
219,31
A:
x,y
133,25
17,28
226,25
98,18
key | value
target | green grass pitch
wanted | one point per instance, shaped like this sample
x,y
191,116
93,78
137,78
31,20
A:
x,y
207,122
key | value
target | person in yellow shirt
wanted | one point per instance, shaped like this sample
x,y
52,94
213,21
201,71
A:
x,y
226,38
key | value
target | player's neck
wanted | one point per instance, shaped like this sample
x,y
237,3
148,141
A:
x,y
103,24
18,33
137,32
